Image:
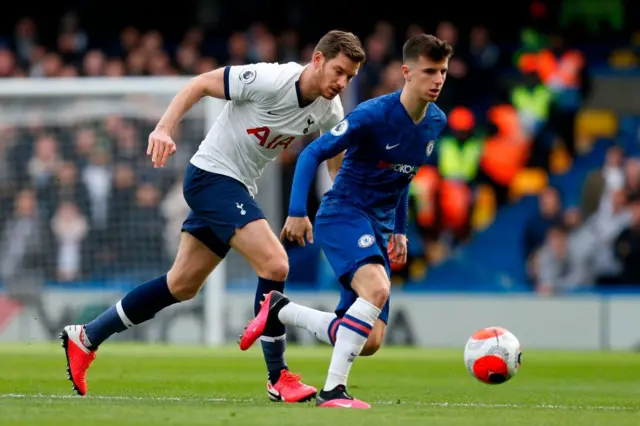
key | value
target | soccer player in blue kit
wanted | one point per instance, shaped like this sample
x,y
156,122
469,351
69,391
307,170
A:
x,y
387,139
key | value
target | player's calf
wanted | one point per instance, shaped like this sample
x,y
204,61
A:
x,y
370,348
375,339
193,264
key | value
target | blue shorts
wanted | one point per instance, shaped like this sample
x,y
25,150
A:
x,y
219,205
349,240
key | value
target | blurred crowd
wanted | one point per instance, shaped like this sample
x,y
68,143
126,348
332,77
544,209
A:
x,y
85,202
595,243
87,205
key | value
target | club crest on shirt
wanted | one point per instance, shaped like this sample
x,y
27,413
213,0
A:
x,y
365,241
247,75
340,128
430,146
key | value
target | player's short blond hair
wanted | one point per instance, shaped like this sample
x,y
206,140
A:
x,y
335,42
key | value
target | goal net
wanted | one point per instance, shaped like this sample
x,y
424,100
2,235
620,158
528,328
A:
x,y
84,216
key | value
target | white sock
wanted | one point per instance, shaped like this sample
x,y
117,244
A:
x,y
312,320
354,329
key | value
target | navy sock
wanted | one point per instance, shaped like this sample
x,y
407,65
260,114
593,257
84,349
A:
x,y
273,341
139,305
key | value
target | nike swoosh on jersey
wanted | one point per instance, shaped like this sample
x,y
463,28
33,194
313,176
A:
x,y
392,146
272,113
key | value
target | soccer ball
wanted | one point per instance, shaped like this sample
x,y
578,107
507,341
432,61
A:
x,y
493,355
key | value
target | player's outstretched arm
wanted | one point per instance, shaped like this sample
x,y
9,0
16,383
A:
x,y
161,145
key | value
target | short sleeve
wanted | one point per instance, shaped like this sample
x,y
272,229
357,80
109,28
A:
x,y
251,82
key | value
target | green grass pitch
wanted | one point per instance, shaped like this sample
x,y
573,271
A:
x,y
158,385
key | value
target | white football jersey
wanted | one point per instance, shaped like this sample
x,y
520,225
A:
x,y
263,116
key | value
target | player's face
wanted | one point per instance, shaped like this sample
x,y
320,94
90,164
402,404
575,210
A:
x,y
426,77
335,74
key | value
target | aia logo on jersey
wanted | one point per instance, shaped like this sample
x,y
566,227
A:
x,y
247,75
264,139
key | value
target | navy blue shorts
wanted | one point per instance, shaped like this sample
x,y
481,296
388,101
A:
x,y
349,241
219,205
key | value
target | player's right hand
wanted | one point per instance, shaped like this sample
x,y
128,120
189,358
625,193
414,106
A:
x,y
161,146
296,229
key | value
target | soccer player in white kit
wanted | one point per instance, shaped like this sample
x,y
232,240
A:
x,y
269,106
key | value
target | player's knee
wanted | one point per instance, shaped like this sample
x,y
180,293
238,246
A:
x,y
379,294
276,267
277,270
372,284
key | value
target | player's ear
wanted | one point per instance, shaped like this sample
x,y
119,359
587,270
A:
x,y
406,72
317,59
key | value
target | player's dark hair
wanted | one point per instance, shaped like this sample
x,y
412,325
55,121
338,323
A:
x,y
426,45
335,42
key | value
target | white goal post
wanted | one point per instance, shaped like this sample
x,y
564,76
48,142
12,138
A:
x,y
64,105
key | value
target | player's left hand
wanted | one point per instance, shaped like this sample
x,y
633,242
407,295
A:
x,y
296,229
398,249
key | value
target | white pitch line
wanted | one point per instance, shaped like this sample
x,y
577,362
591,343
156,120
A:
x,y
250,400
122,398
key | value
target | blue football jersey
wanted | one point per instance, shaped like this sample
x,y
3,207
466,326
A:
x,y
384,150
